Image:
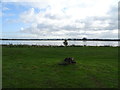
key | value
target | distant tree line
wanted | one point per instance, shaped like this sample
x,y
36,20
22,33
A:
x,y
70,39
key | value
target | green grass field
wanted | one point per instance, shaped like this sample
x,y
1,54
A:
x,y
37,67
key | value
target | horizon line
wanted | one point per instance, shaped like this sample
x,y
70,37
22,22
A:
x,y
70,39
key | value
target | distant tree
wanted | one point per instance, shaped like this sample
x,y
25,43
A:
x,y
84,41
84,38
65,42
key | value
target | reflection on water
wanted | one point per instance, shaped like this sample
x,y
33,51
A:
x,y
58,43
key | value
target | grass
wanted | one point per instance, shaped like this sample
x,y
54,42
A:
x,y
37,67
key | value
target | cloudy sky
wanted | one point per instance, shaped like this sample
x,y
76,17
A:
x,y
59,18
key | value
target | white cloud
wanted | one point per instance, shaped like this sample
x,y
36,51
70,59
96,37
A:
x,y
70,18
5,8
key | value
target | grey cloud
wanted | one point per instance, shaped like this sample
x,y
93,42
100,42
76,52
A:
x,y
44,26
112,20
108,35
47,27
56,16
69,27
51,16
75,33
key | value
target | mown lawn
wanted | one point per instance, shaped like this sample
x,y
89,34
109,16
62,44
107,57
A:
x,y
37,67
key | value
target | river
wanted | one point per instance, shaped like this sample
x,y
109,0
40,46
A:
x,y
59,43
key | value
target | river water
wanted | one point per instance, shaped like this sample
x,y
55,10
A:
x,y
59,43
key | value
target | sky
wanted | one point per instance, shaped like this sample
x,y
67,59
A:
x,y
40,19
